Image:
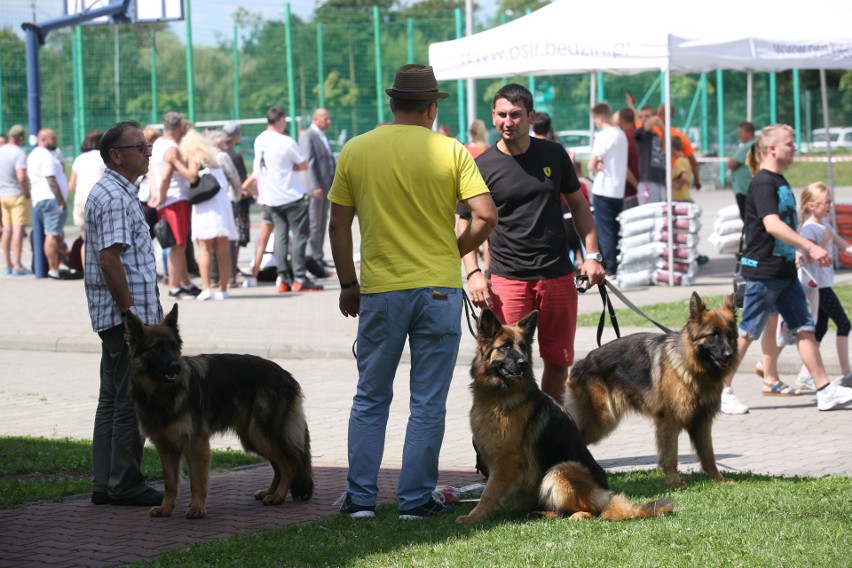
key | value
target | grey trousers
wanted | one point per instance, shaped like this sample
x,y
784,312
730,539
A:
x,y
291,218
116,442
318,214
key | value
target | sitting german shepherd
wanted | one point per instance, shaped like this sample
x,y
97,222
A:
x,y
530,446
674,378
182,401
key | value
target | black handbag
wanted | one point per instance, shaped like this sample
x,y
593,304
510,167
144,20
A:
x,y
164,235
205,188
739,281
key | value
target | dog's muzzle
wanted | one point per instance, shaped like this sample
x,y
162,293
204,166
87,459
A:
x,y
172,372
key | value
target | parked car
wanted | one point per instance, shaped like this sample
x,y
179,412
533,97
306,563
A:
x,y
840,136
578,141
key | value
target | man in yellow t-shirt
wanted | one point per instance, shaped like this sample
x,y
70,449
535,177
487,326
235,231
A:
x,y
404,180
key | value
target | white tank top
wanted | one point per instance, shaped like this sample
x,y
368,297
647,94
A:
x,y
178,186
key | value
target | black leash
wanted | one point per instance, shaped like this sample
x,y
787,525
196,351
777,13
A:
x,y
582,282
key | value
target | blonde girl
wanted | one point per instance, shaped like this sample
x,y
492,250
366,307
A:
x,y
478,139
815,213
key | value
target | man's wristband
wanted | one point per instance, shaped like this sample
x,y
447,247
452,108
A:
x,y
472,272
347,285
130,310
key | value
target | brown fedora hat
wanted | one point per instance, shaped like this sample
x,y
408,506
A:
x,y
415,82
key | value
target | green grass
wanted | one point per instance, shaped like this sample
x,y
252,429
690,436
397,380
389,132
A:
x,y
674,314
40,469
801,174
759,521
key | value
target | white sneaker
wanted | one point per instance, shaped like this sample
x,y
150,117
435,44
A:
x,y
805,382
249,282
220,295
731,404
833,396
204,295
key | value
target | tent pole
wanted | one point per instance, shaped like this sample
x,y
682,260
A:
x,y
668,138
720,101
749,96
824,92
797,107
471,83
592,103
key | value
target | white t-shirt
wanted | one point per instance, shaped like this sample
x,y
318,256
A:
x,y
816,232
89,168
274,157
178,186
610,147
42,163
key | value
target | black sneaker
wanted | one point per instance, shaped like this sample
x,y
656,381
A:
x,y
99,498
181,294
148,498
431,509
191,289
347,507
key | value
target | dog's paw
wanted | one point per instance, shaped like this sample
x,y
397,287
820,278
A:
x,y
272,500
196,512
726,480
581,516
467,519
160,511
260,495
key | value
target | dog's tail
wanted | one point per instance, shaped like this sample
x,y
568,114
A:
x,y
620,508
303,482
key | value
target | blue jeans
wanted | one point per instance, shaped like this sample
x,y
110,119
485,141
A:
x,y
431,319
606,225
765,297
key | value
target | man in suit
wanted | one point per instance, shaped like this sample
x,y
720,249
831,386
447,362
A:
x,y
317,180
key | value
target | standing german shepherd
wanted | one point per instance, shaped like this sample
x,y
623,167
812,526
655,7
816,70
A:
x,y
675,378
531,447
182,401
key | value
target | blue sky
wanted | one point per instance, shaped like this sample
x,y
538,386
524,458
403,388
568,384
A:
x,y
207,15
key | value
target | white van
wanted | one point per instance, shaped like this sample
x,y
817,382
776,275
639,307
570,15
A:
x,y
841,137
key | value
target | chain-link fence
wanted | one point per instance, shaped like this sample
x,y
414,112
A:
x,y
342,59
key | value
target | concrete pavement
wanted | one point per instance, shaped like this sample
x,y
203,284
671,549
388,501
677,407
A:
x,y
48,387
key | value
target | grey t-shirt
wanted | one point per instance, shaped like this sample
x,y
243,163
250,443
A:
x,y
12,158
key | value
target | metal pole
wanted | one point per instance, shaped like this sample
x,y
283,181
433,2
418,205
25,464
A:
x,y
79,103
750,96
808,120
797,108
291,82
720,112
471,83
825,122
190,71
409,31
705,116
377,41
236,43
116,64
155,104
773,98
34,40
667,83
462,132
592,102
601,87
320,66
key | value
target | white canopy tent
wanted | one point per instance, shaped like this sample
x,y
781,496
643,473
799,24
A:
x,y
570,37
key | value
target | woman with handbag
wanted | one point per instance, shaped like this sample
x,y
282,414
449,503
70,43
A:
x,y
212,217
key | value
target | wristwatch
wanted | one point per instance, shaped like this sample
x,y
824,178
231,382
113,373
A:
x,y
596,256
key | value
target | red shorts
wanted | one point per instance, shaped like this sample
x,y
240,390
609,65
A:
x,y
178,215
556,300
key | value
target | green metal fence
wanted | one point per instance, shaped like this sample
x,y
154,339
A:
x,y
343,59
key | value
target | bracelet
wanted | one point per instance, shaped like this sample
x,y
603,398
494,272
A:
x,y
346,285
472,272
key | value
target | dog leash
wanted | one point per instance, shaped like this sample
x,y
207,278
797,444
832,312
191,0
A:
x,y
582,283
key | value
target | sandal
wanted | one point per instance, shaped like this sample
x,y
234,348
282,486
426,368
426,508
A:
x,y
780,389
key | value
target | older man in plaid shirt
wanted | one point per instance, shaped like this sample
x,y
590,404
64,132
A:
x,y
121,277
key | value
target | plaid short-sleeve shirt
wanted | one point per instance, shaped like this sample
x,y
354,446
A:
x,y
113,215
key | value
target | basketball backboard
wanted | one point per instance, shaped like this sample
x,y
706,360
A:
x,y
138,11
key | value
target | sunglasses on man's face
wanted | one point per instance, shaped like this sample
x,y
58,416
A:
x,y
141,147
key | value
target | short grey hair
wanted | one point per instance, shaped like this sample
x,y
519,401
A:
x,y
172,121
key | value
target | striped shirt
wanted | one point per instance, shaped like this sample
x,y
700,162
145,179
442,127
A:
x,y
113,215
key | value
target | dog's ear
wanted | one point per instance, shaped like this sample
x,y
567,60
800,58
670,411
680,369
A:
x,y
489,325
528,324
133,330
730,304
696,306
171,319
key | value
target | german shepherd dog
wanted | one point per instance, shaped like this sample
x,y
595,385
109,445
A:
x,y
531,447
676,379
182,401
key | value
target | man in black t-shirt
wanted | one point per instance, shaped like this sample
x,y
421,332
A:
x,y
530,266
769,267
